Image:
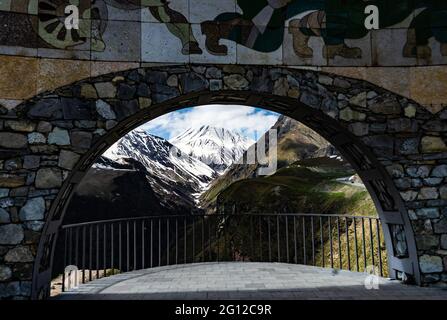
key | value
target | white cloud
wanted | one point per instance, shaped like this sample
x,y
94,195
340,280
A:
x,y
250,121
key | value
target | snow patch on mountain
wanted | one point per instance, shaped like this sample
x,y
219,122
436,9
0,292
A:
x,y
219,148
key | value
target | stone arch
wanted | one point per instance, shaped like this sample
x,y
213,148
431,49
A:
x,y
396,146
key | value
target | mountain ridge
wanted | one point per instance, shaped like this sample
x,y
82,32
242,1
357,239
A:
x,y
171,173
215,146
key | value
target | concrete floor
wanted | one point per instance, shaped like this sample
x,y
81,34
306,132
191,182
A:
x,y
243,280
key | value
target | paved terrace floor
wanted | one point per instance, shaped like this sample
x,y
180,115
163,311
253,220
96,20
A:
x,y
233,280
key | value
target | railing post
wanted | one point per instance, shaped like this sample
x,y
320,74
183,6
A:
x,y
323,258
379,248
143,243
176,241
168,245
304,241
83,253
134,245
203,239
330,242
112,249
340,258
97,251
278,238
312,238
65,257
287,239
260,238
270,242
348,251
295,244
356,246
90,253
120,248
104,231
371,239
364,243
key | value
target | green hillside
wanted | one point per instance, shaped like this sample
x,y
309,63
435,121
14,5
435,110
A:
x,y
308,186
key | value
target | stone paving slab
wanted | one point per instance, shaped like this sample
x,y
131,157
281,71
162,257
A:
x,y
244,280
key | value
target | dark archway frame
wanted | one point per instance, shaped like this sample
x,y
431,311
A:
x,y
388,202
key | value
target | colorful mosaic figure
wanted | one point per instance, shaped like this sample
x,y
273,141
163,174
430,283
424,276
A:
x,y
46,18
175,21
261,25
344,19
93,14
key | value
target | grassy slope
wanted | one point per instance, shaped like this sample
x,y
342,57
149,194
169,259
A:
x,y
297,188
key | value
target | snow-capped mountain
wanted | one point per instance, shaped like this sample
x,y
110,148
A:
x,y
219,148
171,173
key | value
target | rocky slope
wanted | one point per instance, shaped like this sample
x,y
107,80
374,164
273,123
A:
x,y
113,190
173,174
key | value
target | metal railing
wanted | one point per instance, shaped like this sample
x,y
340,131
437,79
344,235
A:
x,y
103,248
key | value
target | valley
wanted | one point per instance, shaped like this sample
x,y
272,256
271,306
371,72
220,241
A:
x,y
196,171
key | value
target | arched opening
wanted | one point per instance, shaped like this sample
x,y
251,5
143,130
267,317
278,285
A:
x,y
189,190
397,230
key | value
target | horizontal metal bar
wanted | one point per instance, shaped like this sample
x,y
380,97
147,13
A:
x,y
214,216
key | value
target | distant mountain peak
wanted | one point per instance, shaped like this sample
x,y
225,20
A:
x,y
168,168
217,147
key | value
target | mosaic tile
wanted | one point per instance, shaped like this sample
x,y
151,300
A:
x,y
175,11
204,10
120,42
298,49
388,47
159,45
208,55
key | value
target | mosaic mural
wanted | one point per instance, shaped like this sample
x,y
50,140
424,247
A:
x,y
283,32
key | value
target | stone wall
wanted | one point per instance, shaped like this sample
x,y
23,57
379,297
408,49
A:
x,y
44,143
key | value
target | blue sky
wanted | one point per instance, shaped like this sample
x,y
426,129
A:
x,y
250,121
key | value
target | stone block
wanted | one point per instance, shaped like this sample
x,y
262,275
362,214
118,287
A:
x,y
427,242
4,216
19,254
236,82
428,193
11,180
105,110
444,241
31,162
347,114
34,209
36,138
11,234
105,90
440,226
440,171
81,139
20,125
48,178
68,159
430,264
5,273
431,144
13,140
428,213
59,137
